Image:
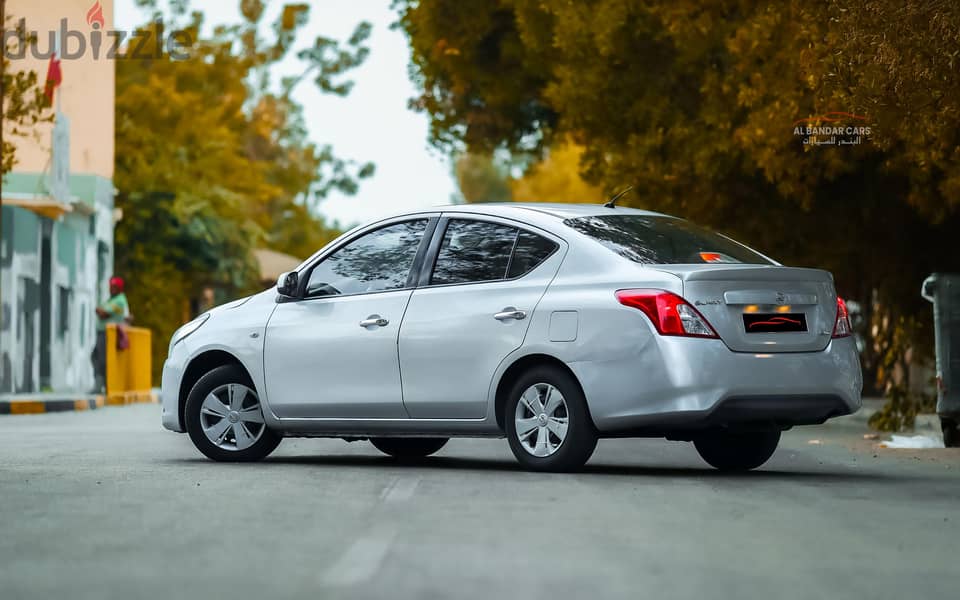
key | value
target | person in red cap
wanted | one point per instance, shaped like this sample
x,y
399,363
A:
x,y
115,310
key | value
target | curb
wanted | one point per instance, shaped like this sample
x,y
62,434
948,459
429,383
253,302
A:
x,y
33,406
26,405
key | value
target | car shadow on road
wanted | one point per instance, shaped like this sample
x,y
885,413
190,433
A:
x,y
457,463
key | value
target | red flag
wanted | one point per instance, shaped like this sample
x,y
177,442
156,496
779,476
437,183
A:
x,y
54,78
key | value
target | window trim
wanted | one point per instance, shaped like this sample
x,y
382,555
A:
x,y
433,253
305,273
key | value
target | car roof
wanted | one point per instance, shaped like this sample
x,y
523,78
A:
x,y
559,210
548,216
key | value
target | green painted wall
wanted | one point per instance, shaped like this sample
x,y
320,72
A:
x,y
91,190
26,231
25,183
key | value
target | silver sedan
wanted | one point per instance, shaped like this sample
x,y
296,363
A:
x,y
550,325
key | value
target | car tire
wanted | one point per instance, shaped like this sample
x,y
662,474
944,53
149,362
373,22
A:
x,y
224,405
730,451
531,403
409,448
951,432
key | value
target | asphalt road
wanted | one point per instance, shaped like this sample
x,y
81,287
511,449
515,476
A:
x,y
105,504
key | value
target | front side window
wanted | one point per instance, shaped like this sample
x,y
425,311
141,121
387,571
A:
x,y
376,262
661,240
473,251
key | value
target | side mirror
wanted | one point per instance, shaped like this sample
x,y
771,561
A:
x,y
288,283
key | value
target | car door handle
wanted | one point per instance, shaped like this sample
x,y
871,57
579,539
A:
x,y
510,313
374,320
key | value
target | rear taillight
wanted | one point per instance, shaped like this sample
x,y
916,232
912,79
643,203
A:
x,y
842,327
669,313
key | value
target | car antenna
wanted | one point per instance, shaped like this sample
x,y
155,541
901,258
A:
x,y
613,201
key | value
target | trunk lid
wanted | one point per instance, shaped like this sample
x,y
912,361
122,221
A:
x,y
763,308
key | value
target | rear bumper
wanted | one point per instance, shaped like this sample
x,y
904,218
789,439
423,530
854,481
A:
x,y
682,383
782,411
748,413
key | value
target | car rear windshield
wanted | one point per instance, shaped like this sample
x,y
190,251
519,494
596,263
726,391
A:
x,y
663,240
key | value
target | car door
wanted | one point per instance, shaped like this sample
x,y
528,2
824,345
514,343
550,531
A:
x,y
471,310
332,352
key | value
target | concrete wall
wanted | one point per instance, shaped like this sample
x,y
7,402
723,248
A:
x,y
86,93
81,241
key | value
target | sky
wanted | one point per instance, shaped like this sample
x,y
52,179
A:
x,y
372,123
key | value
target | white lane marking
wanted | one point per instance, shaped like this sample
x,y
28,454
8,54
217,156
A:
x,y
400,490
361,561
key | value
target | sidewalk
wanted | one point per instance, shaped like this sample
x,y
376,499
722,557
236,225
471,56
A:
x,y
870,407
925,423
853,433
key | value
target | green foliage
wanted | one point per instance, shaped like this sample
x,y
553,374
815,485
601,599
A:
x,y
480,82
694,104
24,105
212,161
899,62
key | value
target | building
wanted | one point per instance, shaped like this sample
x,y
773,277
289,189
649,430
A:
x,y
58,216
272,264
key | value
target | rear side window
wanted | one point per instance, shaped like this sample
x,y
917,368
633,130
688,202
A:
x,y
473,251
663,240
530,251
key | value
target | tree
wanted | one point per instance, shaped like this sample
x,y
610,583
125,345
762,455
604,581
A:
x,y
900,62
556,179
696,104
22,103
213,160
481,178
